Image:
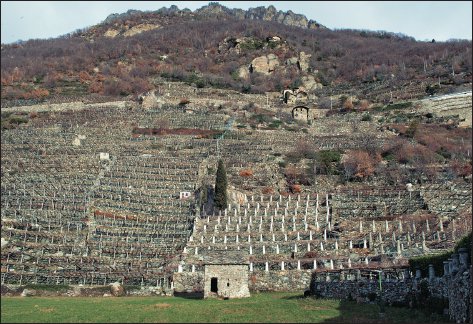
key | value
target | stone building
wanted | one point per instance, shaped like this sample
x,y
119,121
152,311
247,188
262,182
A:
x,y
226,275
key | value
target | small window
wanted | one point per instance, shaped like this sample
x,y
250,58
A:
x,y
228,284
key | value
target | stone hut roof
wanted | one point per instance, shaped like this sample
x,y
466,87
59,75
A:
x,y
226,257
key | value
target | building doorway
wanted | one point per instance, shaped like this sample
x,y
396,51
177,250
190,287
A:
x,y
214,284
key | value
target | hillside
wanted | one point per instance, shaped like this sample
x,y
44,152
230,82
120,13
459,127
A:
x,y
252,51
346,152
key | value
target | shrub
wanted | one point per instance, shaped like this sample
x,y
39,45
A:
x,y
411,130
327,161
267,190
359,164
366,117
246,173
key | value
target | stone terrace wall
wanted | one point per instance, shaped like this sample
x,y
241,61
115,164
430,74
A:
x,y
454,287
284,280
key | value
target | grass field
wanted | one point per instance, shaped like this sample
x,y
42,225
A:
x,y
262,307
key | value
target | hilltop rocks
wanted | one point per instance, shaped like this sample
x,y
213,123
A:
x,y
264,64
287,18
217,10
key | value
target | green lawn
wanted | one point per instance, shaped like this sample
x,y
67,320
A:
x,y
262,307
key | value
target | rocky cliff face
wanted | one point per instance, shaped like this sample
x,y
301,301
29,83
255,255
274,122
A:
x,y
215,9
261,13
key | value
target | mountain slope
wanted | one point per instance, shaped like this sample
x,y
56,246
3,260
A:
x,y
258,50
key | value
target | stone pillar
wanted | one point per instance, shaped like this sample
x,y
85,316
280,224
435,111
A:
x,y
455,263
358,275
179,268
298,264
251,263
450,266
446,268
431,272
266,267
282,265
407,274
463,253
418,274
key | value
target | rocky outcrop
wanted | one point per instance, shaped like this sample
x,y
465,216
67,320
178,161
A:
x,y
287,18
111,33
150,100
302,61
139,29
264,64
217,10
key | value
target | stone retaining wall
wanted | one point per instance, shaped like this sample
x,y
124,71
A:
x,y
287,280
456,288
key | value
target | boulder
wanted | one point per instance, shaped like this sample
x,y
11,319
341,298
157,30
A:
x,y
28,293
265,64
243,72
4,243
149,100
116,289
